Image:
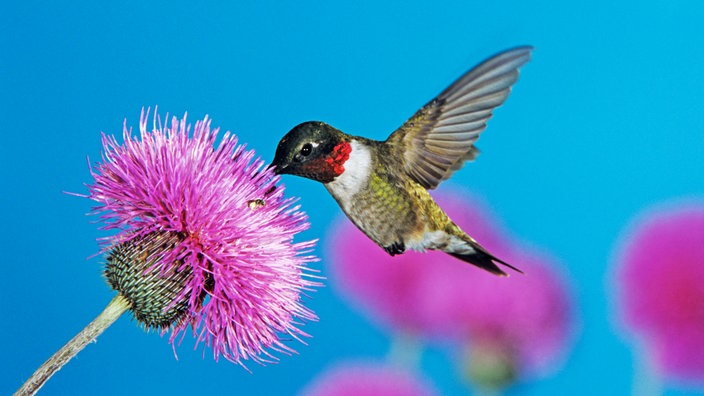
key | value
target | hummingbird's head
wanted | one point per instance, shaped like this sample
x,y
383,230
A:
x,y
314,150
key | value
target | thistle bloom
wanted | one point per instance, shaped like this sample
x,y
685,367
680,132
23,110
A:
x,y
517,327
408,292
522,322
210,220
356,379
660,275
204,239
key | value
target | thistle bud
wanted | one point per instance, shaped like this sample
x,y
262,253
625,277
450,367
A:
x,y
490,365
155,291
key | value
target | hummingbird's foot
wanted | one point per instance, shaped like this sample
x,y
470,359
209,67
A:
x,y
395,248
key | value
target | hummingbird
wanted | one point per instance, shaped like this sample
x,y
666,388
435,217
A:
x,y
382,186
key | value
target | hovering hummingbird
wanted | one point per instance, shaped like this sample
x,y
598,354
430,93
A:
x,y
382,186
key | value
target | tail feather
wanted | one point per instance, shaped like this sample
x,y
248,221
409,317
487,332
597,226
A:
x,y
485,260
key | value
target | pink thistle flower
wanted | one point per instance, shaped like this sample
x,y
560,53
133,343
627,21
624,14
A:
x,y
437,296
357,379
407,292
214,215
661,279
528,319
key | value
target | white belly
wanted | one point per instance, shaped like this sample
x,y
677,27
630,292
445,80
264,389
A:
x,y
440,240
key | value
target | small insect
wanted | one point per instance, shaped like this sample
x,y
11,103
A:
x,y
255,204
270,191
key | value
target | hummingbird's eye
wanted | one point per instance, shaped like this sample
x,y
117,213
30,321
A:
x,y
306,149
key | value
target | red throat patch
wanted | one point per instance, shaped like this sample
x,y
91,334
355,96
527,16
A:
x,y
337,158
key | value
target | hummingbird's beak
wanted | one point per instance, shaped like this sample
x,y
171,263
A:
x,y
278,169
279,164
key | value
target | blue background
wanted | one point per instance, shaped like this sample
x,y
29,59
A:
x,y
606,120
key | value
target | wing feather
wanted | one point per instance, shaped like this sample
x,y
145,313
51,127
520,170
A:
x,y
440,137
469,117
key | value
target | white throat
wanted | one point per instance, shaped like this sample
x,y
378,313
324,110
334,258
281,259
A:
x,y
355,176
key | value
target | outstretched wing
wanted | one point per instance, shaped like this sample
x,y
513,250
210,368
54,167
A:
x,y
440,137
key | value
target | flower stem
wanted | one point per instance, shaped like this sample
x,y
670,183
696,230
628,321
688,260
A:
x,y
646,379
406,351
115,308
486,391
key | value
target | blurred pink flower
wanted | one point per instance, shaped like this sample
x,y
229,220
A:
x,y
661,279
436,296
361,379
407,292
232,231
529,317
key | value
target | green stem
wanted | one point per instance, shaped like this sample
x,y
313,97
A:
x,y
115,308
484,391
406,350
646,379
